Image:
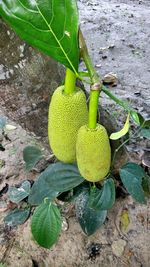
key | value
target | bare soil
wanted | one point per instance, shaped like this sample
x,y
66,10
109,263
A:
x,y
117,33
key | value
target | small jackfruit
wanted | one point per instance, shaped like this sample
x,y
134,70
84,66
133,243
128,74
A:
x,y
93,153
67,113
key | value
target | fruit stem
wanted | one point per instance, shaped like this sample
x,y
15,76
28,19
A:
x,y
93,104
96,84
70,82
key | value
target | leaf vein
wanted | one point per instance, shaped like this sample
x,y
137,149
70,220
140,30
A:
x,y
28,9
56,39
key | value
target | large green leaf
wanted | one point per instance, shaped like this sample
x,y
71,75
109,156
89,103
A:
x,y
51,26
90,219
58,177
17,216
39,191
46,224
103,199
131,175
31,155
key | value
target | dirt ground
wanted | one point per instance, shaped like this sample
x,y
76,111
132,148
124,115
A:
x,y
117,33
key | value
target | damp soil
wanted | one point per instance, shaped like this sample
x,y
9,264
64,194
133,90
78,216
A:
x,y
117,33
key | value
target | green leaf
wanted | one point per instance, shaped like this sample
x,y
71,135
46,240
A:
x,y
31,155
143,123
90,220
46,224
103,199
17,216
123,131
58,177
147,123
17,194
141,119
146,185
131,175
135,117
39,191
70,196
51,26
145,132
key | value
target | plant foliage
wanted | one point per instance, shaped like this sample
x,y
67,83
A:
x,y
51,26
58,177
17,216
46,224
17,194
123,131
104,198
90,219
131,175
31,155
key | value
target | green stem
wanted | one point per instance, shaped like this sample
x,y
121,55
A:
x,y
70,82
96,84
118,101
93,104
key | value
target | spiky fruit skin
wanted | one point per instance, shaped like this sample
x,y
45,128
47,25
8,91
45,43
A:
x,y
67,113
93,153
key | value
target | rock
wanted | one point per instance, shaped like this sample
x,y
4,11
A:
x,y
110,78
65,225
118,247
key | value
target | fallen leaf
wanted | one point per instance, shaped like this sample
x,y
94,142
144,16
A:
x,y
124,220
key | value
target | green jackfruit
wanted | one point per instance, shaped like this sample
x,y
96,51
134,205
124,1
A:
x,y
67,113
93,153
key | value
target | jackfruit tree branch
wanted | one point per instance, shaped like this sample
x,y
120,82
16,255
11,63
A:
x,y
96,84
70,82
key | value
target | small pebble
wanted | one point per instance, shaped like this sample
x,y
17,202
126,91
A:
x,y
118,247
